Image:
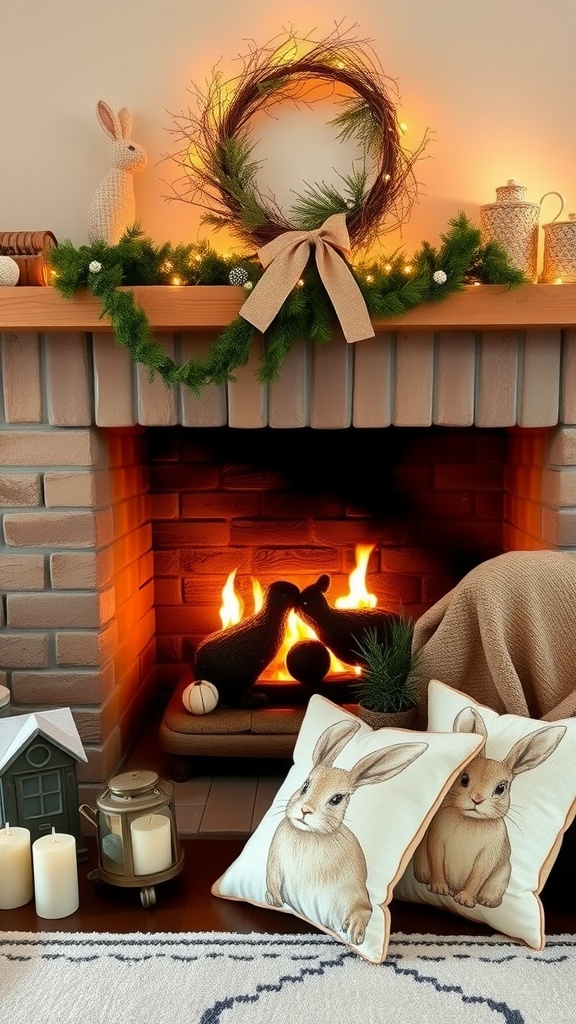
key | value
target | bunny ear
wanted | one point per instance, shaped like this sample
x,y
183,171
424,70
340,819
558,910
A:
x,y
532,750
125,119
468,720
332,741
108,120
385,764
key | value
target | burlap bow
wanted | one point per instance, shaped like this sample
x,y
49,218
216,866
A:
x,y
285,258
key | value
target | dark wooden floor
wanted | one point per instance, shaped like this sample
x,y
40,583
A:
x,y
185,904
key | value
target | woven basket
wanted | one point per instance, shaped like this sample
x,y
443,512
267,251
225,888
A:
x,y
29,249
388,719
559,251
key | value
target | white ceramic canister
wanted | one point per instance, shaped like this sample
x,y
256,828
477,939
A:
x,y
513,222
559,265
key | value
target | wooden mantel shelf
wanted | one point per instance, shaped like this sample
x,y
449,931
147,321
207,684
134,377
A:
x,y
214,306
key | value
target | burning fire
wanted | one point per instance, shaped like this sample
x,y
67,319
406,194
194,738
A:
x,y
358,597
232,611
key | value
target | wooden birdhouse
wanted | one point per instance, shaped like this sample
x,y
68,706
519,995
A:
x,y
38,785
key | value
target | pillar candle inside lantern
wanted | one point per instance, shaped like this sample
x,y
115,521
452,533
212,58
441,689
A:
x,y
151,844
15,867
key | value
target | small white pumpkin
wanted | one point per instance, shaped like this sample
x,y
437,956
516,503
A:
x,y
9,272
200,697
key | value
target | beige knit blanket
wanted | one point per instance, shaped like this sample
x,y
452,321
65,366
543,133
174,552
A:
x,y
506,635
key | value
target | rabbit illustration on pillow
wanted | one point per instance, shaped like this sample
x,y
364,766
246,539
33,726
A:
x,y
315,864
112,210
465,852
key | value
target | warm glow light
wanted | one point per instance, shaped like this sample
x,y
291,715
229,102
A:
x,y
408,268
300,283
388,268
192,158
369,278
359,597
287,53
558,280
403,127
387,177
166,267
231,608
340,65
176,279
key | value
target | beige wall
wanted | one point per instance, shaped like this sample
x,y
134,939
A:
x,y
493,80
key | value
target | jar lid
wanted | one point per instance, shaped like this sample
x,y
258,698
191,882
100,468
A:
x,y
132,783
512,191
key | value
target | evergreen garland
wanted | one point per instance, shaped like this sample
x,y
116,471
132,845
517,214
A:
x,y
388,289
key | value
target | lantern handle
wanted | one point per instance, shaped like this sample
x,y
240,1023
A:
x,y
89,813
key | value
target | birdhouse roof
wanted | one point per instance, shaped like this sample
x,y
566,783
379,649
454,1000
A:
x,y
58,726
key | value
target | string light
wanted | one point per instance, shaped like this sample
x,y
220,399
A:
x,y
369,278
301,283
408,268
388,268
176,280
403,127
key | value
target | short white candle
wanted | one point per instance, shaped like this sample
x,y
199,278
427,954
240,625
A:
x,y
15,867
151,844
55,875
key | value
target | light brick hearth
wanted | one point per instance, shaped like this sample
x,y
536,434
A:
x,y
77,618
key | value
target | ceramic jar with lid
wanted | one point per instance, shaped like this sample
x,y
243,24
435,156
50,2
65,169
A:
x,y
513,222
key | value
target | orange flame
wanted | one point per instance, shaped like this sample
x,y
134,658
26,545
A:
x,y
359,597
232,606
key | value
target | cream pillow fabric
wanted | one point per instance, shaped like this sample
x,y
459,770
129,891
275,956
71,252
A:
x,y
345,823
490,847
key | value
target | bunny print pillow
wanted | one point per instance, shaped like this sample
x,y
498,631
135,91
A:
x,y
489,849
345,823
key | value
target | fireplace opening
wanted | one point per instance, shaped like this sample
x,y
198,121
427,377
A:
x,y
257,506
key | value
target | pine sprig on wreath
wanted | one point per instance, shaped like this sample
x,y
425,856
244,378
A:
x,y
389,289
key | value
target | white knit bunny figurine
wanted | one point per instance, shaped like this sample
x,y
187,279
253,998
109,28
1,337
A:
x,y
112,210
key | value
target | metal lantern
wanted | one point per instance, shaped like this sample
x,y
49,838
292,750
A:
x,y
136,832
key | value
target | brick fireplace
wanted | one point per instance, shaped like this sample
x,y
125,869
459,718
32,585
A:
x,y
121,517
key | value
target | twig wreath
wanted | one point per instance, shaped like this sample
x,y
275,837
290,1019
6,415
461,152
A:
x,y
301,279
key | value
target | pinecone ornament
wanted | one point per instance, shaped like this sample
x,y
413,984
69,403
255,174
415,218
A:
x,y
238,276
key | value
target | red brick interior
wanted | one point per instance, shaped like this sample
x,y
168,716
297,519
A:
x,y
293,504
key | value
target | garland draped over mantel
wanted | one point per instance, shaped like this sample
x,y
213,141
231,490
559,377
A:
x,y
300,277
390,288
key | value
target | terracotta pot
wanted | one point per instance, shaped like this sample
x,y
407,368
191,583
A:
x,y
388,719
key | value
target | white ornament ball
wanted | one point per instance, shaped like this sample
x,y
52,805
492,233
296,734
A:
x,y
439,277
9,272
238,276
200,697
94,267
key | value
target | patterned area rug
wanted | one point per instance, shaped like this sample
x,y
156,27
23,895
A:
x,y
216,978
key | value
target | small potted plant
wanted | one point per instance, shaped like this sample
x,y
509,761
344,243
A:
x,y
386,689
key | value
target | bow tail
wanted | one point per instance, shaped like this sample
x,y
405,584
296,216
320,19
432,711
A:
x,y
344,293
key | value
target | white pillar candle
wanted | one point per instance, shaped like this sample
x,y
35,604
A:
x,y
15,867
55,875
151,844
